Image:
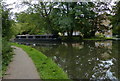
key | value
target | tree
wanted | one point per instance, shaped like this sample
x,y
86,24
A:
x,y
37,15
54,17
103,12
87,19
6,22
116,19
6,35
73,16
29,23
64,17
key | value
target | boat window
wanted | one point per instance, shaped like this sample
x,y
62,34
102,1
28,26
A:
x,y
17,37
30,36
23,36
37,36
43,36
50,36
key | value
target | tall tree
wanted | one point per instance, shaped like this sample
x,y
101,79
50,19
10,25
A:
x,y
103,12
116,19
42,10
72,16
87,19
66,16
6,22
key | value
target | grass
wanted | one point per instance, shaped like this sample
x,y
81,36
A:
x,y
78,38
46,67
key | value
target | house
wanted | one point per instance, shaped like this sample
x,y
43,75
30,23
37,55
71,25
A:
x,y
108,30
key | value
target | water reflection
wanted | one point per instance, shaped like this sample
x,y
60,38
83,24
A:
x,y
85,60
105,44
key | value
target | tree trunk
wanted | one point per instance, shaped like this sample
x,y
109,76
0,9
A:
x,y
71,32
68,33
92,34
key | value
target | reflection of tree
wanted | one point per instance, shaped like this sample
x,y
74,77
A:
x,y
115,54
84,63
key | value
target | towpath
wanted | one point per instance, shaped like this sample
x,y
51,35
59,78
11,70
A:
x,y
21,67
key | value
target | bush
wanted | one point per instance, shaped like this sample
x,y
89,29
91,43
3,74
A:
x,y
6,54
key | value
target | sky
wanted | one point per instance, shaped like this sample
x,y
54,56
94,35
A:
x,y
15,4
16,8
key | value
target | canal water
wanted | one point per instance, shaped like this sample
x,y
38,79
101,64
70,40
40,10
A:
x,y
85,59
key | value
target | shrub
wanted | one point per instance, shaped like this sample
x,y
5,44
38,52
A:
x,y
6,54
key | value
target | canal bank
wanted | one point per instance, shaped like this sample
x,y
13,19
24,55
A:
x,y
46,67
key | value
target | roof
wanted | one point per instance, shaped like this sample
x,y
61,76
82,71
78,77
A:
x,y
37,35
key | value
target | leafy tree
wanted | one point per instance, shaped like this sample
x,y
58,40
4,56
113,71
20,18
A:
x,y
6,35
6,23
103,12
31,23
87,19
38,20
62,19
116,19
54,17
73,16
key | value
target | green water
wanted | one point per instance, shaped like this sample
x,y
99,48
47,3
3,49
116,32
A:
x,y
86,59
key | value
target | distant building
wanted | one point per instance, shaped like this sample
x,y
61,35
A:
x,y
108,33
106,22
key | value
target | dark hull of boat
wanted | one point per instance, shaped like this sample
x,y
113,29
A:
x,y
38,40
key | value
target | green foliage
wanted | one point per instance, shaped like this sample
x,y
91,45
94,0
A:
x,y
6,24
30,23
116,20
6,35
54,17
45,66
6,54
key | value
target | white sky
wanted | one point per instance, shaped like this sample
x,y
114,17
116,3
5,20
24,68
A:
x,y
18,9
15,4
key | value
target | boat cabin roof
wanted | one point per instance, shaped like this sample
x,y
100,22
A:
x,y
37,35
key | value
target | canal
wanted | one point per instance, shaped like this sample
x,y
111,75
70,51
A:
x,y
85,59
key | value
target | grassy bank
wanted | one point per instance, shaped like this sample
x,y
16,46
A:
x,y
78,38
98,38
46,67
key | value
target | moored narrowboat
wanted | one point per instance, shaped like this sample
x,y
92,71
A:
x,y
42,38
